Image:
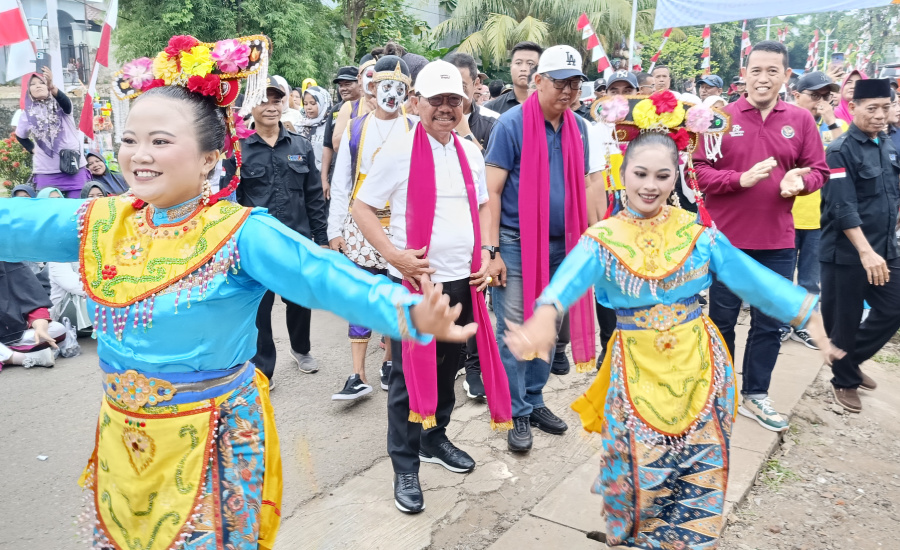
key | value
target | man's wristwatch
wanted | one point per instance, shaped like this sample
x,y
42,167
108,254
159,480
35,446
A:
x,y
469,137
834,126
492,249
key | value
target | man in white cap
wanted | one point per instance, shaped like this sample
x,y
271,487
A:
x,y
433,235
526,246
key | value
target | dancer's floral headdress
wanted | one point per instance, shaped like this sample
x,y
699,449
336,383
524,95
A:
x,y
210,69
663,112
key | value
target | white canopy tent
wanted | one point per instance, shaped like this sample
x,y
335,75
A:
x,y
684,13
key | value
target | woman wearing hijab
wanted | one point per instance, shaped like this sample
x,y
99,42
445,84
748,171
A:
x,y
842,111
316,105
95,189
47,130
113,182
52,193
23,191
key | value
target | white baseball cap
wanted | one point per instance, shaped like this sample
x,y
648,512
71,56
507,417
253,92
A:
x,y
561,62
439,77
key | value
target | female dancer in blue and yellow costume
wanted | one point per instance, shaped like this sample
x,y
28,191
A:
x,y
186,452
664,397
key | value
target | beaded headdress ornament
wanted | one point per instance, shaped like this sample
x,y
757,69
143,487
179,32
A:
x,y
210,69
663,112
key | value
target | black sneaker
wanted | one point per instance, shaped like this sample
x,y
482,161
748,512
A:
x,y
353,389
473,385
519,438
385,374
449,456
561,365
784,334
545,420
804,338
408,496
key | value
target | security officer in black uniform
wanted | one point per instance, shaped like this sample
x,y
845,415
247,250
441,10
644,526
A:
x,y
859,253
279,173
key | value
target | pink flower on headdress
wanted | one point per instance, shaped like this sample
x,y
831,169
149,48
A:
x,y
698,119
231,55
615,109
240,128
138,72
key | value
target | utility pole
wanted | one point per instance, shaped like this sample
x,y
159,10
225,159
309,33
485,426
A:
x,y
634,6
825,51
56,64
768,27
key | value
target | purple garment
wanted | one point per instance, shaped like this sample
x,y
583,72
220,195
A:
x,y
66,136
71,184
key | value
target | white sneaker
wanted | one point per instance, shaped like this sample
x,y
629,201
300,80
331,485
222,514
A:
x,y
43,358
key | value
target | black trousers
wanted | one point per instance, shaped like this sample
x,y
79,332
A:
x,y
606,318
404,438
298,318
844,288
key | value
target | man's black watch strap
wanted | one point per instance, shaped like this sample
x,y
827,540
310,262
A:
x,y
492,249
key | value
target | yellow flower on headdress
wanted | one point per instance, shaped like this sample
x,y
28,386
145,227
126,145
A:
x,y
644,115
197,62
165,68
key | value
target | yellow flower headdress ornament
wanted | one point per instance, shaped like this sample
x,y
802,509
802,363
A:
x,y
210,69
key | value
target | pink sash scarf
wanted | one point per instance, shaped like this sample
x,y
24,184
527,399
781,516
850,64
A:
x,y
534,220
420,361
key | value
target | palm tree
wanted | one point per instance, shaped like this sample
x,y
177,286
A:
x,y
487,29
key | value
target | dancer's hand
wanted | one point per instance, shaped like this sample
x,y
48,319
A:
x,y
816,329
536,338
433,315
42,333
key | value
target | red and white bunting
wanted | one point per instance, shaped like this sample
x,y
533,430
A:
x,y
783,36
86,124
705,63
848,51
813,52
598,54
14,35
745,42
655,58
834,49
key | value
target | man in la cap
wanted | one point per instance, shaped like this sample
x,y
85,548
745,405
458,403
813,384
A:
x,y
279,173
445,213
622,82
347,81
813,93
711,85
860,256
542,128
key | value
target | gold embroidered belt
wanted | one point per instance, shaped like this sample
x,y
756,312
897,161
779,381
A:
x,y
660,317
132,390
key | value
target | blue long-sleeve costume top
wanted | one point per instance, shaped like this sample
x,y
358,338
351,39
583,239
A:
x,y
218,332
587,266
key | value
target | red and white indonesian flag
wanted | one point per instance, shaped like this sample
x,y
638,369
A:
x,y
598,54
655,58
745,40
86,124
705,64
686,13
14,35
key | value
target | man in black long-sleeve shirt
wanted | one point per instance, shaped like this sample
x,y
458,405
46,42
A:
x,y
279,173
859,253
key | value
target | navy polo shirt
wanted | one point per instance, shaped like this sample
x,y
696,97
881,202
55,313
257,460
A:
x,y
505,151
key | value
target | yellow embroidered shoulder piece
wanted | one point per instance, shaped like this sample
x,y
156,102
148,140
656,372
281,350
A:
x,y
126,258
652,248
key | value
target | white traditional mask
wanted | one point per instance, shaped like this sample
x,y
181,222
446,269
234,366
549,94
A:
x,y
391,94
367,76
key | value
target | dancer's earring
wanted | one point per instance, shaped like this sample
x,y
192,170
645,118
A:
x,y
207,191
674,200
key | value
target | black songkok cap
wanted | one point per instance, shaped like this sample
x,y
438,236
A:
x,y
872,88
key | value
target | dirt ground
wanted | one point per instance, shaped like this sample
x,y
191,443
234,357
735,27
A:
x,y
835,482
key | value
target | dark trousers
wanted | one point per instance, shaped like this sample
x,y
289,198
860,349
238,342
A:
x,y
405,438
844,288
763,341
298,318
606,319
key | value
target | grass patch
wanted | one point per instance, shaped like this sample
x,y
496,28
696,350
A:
x,y
776,473
887,358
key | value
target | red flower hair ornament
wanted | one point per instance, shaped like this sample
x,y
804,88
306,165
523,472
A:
x,y
664,101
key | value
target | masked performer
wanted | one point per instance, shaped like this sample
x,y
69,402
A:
x,y
186,451
664,399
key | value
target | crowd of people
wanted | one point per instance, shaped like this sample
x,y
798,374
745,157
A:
x,y
421,196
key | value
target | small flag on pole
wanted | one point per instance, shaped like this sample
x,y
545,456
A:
x,y
14,34
655,58
705,64
86,124
598,54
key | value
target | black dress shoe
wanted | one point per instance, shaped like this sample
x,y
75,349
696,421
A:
x,y
561,365
449,456
519,438
408,493
545,420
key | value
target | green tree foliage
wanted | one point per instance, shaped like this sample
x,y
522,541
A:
x,y
684,56
385,20
305,34
487,29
